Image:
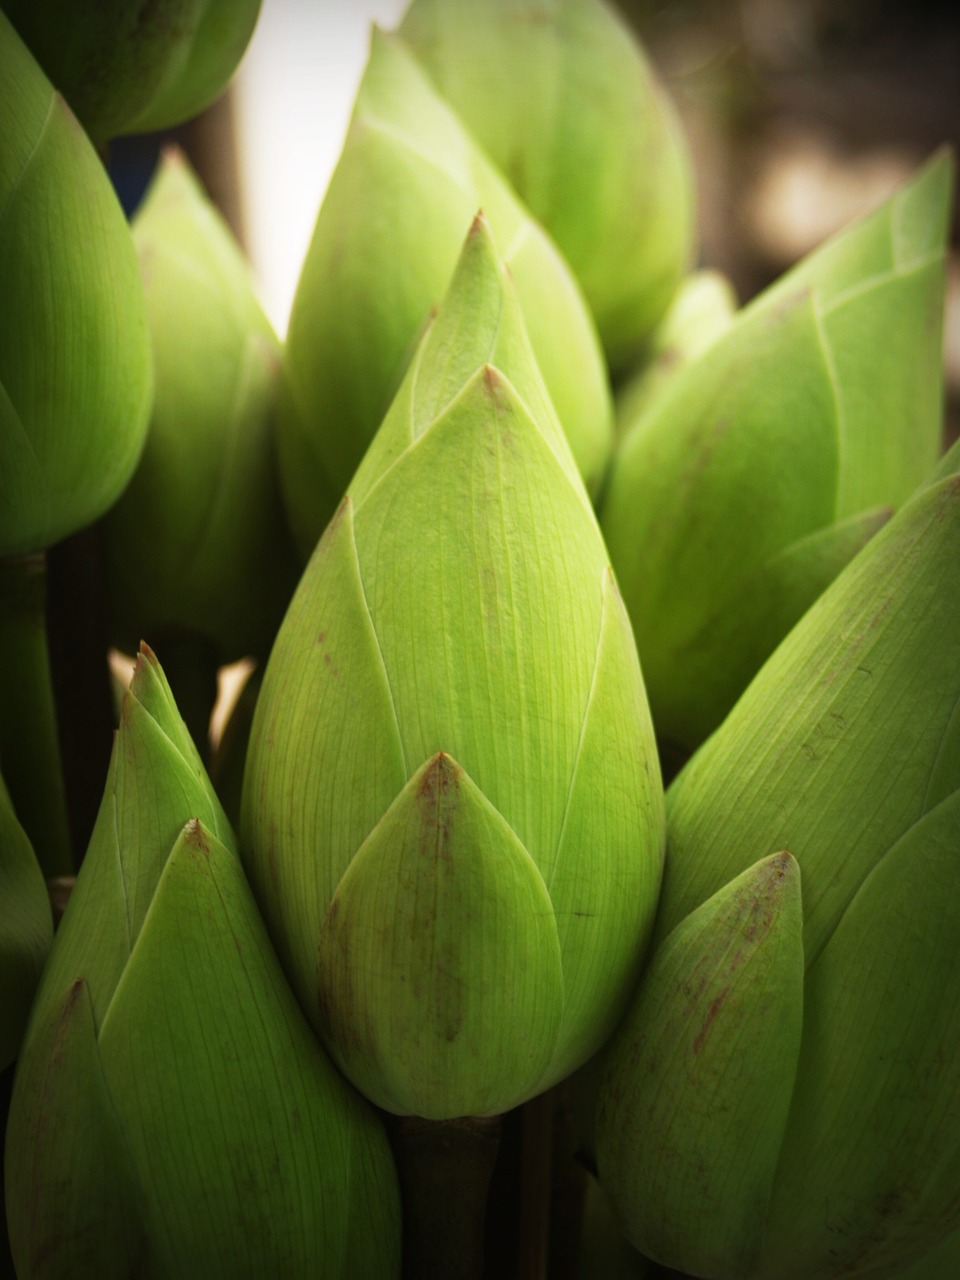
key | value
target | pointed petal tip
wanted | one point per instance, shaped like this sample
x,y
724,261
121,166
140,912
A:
x,y
195,834
440,775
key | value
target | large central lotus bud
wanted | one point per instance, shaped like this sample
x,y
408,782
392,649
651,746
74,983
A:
x,y
452,808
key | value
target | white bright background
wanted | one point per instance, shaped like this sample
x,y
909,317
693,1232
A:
x,y
294,93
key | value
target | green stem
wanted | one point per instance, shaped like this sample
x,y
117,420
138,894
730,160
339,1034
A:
x,y
445,1168
29,745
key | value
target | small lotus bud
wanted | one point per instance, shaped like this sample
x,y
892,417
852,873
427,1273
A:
x,y
172,1112
74,348
565,102
770,460
407,186
135,68
197,546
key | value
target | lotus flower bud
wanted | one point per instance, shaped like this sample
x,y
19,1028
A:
x,y
452,802
26,928
708,1054
846,751
564,101
172,1112
74,349
198,543
777,454
702,309
388,235
129,67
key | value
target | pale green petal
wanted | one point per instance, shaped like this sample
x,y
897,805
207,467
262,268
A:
x,y
242,1135
481,565
441,981
877,1103
74,356
566,104
604,904
72,1207
754,615
845,738
697,1085
325,758
408,186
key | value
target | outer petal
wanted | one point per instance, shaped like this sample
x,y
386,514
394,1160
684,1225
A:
x,y
715,480
252,1155
198,544
75,375
72,1209
871,1161
758,611
26,928
846,737
482,567
130,68
785,426
155,779
565,102
441,984
605,876
697,1086
325,758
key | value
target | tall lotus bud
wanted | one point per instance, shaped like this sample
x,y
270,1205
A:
x,y
845,750
452,804
778,453
387,238
172,1112
75,375
565,102
197,546
26,928
129,67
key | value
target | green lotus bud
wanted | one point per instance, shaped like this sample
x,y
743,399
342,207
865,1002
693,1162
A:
x,y
129,67
26,927
198,545
172,1112
564,101
452,806
775,456
702,309
698,1081
387,239
74,348
846,751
